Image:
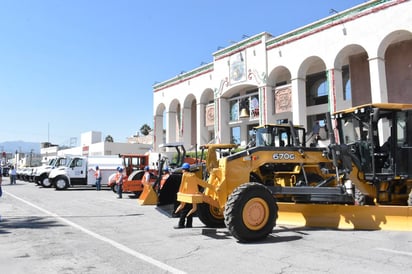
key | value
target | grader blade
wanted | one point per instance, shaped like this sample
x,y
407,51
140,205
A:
x,y
398,218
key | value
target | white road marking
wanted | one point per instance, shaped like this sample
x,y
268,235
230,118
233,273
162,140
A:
x,y
395,251
117,245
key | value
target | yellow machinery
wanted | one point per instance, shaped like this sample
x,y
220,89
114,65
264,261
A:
x,y
251,189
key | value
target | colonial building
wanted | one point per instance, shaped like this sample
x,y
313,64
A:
x,y
353,57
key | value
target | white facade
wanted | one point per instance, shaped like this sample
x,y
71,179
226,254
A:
x,y
90,137
106,148
94,146
357,56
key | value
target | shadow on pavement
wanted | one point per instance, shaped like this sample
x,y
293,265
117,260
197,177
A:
x,y
8,224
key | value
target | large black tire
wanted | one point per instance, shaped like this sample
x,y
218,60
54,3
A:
x,y
61,183
114,188
210,216
45,182
251,212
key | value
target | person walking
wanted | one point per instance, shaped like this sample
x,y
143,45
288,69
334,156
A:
x,y
119,182
13,175
98,176
185,215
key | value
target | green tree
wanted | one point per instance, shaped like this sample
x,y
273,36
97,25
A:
x,y
109,139
145,129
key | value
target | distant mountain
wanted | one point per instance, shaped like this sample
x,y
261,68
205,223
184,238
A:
x,y
20,146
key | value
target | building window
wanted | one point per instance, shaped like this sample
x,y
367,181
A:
x,y
234,110
317,89
254,107
347,91
248,106
235,135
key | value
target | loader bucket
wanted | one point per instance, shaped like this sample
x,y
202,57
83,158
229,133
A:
x,y
148,196
168,192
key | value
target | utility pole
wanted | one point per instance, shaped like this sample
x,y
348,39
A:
x,y
31,157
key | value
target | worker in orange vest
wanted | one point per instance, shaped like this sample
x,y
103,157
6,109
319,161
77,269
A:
x,y
165,176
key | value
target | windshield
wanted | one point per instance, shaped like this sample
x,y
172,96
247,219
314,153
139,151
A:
x,y
278,136
353,129
51,162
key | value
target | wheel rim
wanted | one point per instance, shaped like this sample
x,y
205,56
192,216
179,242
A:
x,y
61,183
46,182
216,212
255,214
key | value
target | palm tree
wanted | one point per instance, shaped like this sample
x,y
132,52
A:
x,y
109,139
145,129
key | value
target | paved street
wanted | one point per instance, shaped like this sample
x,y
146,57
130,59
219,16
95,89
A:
x,y
84,231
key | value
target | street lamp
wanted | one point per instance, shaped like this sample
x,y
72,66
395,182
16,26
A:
x,y
15,164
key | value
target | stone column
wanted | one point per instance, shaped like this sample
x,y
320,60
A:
x,y
187,127
202,135
171,127
299,102
379,90
158,134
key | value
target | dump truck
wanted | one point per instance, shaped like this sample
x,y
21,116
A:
x,y
244,191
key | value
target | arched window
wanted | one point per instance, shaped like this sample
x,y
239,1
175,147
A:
x,y
347,91
317,89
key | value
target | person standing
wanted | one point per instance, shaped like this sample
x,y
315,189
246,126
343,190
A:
x,y
185,215
165,176
146,175
13,175
119,182
98,176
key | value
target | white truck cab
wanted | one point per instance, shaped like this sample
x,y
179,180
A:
x,y
41,173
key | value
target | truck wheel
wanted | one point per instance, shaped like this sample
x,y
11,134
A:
x,y
61,183
114,188
210,216
45,182
250,212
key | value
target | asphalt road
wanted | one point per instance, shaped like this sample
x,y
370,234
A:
x,y
85,231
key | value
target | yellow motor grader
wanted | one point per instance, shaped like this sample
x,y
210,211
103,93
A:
x,y
244,192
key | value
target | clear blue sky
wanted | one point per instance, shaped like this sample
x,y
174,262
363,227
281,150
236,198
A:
x,y
72,66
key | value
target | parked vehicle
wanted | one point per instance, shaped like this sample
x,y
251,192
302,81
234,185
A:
x,y
41,173
133,170
5,170
243,192
80,171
